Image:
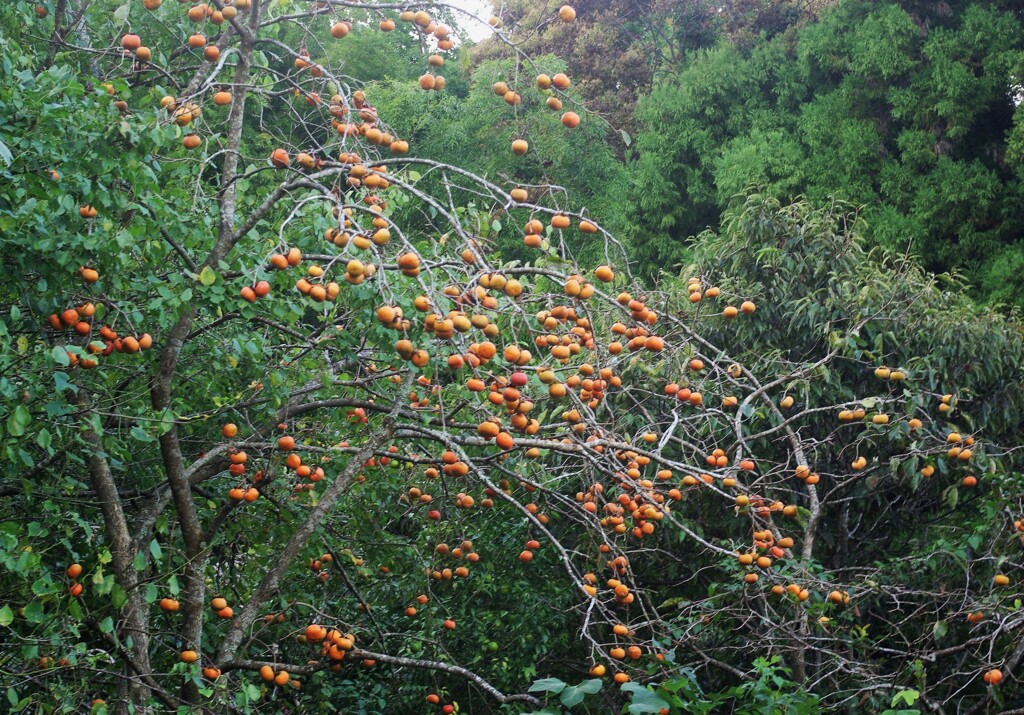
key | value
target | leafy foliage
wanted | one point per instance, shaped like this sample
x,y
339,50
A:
x,y
274,440
870,104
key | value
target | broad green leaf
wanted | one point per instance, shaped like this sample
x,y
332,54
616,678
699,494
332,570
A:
x,y
18,421
548,685
207,276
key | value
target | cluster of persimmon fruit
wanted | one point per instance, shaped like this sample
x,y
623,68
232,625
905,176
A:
x,y
79,320
560,82
199,14
73,571
444,573
237,467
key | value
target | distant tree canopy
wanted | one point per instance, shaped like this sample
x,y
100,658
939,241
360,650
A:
x,y
910,111
616,47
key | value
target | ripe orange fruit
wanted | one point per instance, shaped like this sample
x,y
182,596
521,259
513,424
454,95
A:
x,y
570,120
286,443
566,13
74,570
747,307
189,656
520,147
191,141
267,673
654,344
340,29
561,81
279,158
993,677
131,42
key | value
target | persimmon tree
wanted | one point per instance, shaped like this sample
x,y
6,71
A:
x,y
283,429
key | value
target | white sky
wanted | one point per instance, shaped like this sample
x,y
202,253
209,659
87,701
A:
x,y
482,9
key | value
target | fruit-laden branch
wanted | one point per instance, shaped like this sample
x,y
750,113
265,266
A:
x,y
271,579
360,654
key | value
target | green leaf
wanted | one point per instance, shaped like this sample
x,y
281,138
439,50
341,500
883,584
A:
x,y
117,595
34,612
141,435
44,586
61,381
547,685
6,616
139,563
60,356
644,700
207,276
18,421
154,548
952,496
906,697
574,694
121,13
107,625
